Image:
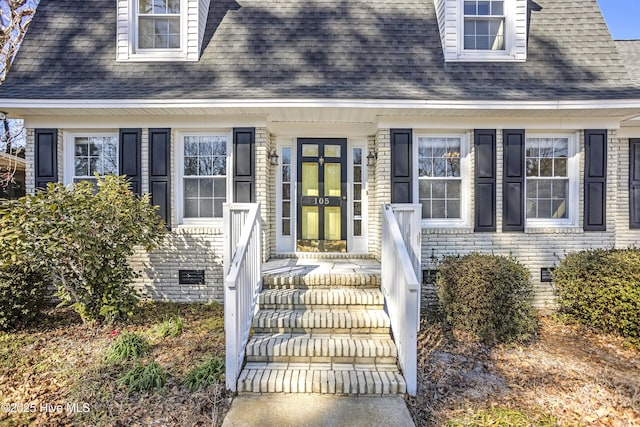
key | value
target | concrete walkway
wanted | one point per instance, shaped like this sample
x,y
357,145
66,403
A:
x,y
314,410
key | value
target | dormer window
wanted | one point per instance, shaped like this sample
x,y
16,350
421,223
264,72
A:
x,y
484,25
158,24
161,30
483,30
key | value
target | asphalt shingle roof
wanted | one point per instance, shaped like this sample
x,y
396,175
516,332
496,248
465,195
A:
x,y
630,54
349,49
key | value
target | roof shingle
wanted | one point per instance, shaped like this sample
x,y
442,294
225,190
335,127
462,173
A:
x,y
348,49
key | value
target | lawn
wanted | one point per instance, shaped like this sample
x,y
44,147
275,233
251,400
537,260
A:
x,y
569,376
58,373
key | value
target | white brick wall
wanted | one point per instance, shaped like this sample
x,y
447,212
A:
x,y
537,248
183,248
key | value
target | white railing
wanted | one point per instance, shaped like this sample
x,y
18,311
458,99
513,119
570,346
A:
x,y
242,281
401,254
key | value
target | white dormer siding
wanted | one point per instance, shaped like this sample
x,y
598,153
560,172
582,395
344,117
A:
x,y
193,19
450,16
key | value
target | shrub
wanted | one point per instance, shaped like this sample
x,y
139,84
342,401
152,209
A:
x,y
209,372
79,239
127,346
22,296
601,288
489,296
144,377
171,327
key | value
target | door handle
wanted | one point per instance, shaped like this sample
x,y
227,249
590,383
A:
x,y
344,197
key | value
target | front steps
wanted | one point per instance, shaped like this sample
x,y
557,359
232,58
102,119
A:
x,y
322,330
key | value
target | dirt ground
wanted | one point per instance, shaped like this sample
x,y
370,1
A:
x,y
568,376
55,374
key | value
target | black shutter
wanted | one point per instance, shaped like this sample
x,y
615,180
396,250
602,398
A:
x,y
513,143
244,168
485,206
160,172
401,166
46,157
634,183
130,163
595,180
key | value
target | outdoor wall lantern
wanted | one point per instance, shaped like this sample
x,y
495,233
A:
x,y
371,158
273,157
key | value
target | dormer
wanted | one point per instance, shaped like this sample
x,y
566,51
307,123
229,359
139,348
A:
x,y
161,30
483,30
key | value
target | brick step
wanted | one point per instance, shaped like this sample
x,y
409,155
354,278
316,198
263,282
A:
x,y
305,280
350,299
338,321
373,350
358,380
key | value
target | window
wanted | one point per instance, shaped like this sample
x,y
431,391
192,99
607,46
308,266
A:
x,y
204,176
158,24
357,192
94,155
442,179
286,191
484,25
551,181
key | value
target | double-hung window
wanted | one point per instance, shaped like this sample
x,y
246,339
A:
x,y
551,181
159,24
442,179
204,176
484,25
94,155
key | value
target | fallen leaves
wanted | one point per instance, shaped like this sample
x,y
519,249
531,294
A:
x,y
570,374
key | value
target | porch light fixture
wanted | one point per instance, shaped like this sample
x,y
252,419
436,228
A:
x,y
273,157
3,116
371,158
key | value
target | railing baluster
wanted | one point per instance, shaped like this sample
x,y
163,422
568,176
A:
x,y
401,234
242,281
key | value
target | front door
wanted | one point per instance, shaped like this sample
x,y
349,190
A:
x,y
322,195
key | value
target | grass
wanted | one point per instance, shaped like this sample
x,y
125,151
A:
x,y
502,417
128,346
209,372
144,377
62,360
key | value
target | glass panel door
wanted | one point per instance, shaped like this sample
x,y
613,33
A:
x,y
322,194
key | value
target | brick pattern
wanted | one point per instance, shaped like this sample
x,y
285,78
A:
x,y
30,161
265,185
537,248
184,248
323,340
380,188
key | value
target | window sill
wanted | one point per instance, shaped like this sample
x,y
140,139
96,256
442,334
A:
x,y
176,56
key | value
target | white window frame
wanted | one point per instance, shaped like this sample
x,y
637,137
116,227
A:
x,y
465,177
179,176
507,54
573,173
136,53
69,144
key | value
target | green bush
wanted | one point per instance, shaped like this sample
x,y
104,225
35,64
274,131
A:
x,y
22,296
601,288
209,372
127,346
489,296
79,239
144,377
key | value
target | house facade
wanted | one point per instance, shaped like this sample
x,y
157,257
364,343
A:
x,y
512,123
